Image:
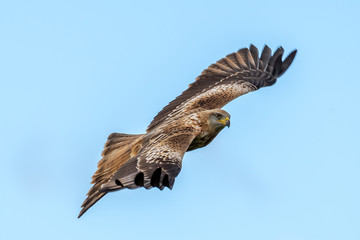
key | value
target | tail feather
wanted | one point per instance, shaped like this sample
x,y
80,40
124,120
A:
x,y
117,140
117,151
93,196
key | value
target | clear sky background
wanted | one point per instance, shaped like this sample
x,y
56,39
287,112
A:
x,y
72,72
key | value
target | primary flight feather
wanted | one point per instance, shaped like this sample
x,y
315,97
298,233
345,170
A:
x,y
189,122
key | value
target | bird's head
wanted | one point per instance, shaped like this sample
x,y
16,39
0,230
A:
x,y
218,119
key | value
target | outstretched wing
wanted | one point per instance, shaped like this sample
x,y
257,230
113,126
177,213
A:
x,y
157,164
151,162
236,74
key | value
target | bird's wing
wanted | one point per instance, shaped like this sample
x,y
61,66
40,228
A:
x,y
157,164
132,161
236,74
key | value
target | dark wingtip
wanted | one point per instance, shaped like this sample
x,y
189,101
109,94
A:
x,y
165,181
139,179
265,57
117,182
276,66
253,49
255,55
287,62
155,179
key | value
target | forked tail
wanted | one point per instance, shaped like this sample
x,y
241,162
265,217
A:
x,y
118,150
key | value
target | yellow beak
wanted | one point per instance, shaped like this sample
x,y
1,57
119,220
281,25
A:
x,y
225,121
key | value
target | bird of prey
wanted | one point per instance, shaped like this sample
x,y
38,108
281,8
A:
x,y
191,121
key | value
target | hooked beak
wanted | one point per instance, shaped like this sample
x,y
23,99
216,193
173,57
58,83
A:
x,y
225,121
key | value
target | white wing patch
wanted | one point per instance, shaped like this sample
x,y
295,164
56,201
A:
x,y
230,91
164,154
193,120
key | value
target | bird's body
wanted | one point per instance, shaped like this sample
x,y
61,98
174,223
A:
x,y
191,121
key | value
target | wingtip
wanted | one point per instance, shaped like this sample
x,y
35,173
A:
x,y
266,49
292,55
252,46
281,50
287,62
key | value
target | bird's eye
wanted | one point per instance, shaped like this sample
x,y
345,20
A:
x,y
218,115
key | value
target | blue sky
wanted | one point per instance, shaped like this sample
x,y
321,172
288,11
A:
x,y
72,72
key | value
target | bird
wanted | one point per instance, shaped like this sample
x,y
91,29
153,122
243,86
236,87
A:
x,y
190,121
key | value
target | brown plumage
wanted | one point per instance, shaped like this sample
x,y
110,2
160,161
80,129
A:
x,y
189,122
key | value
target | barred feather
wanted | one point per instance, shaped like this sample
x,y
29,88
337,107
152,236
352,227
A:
x,y
243,66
